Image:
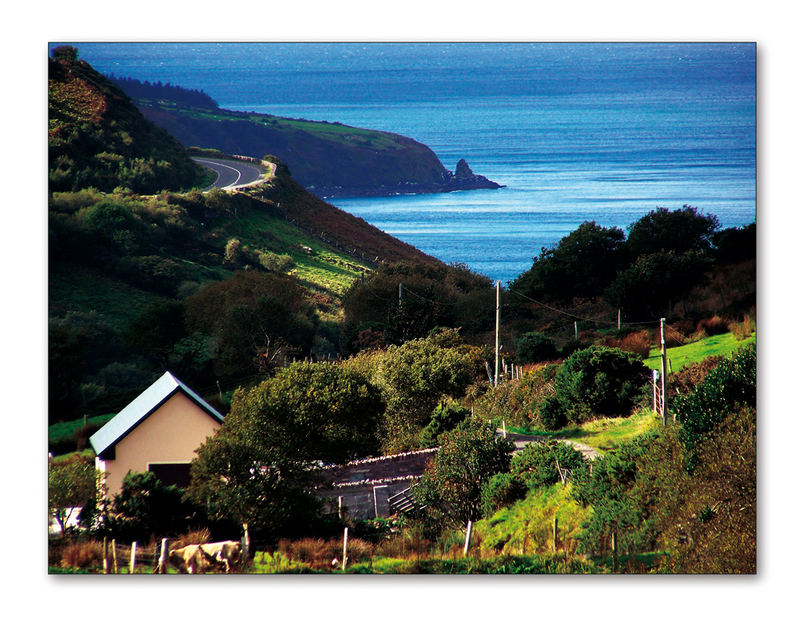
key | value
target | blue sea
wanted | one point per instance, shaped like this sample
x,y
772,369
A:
x,y
604,132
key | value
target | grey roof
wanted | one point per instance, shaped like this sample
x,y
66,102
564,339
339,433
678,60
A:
x,y
141,407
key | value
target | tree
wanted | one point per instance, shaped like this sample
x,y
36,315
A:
x,y
679,231
319,411
256,320
262,486
70,484
433,295
263,460
452,485
582,264
735,245
413,379
656,281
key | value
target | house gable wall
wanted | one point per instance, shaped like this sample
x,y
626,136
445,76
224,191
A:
x,y
172,433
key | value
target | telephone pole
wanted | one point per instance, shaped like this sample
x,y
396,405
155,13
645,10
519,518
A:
x,y
663,374
497,338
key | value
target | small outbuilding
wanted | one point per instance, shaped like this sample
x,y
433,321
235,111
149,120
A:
x,y
159,431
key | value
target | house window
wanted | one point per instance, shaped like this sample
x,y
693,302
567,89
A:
x,y
176,473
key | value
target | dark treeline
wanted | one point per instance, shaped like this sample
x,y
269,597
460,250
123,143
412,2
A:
x,y
146,90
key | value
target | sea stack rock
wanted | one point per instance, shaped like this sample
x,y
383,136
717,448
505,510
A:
x,y
465,178
463,171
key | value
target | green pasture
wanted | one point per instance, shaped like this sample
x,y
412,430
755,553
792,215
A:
x,y
679,356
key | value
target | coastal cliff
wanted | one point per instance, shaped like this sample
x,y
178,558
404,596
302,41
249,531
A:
x,y
329,159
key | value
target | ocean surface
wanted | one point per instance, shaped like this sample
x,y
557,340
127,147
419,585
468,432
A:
x,y
575,132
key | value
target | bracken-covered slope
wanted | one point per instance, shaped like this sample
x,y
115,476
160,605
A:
x,y
98,138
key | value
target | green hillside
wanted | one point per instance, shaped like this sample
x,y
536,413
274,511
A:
x,y
131,272
98,138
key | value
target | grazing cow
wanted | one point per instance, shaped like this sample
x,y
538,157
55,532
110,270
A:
x,y
190,559
226,552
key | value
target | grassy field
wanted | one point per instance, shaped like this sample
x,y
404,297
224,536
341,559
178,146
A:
x,y
679,356
603,434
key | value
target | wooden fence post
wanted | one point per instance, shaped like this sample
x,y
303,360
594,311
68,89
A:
x,y
133,557
555,534
114,554
245,546
614,560
344,550
162,558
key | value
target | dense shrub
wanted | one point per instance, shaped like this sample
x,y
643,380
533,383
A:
x,y
685,380
715,325
145,507
500,491
600,380
744,329
537,465
518,401
637,342
445,417
534,347
552,414
732,384
83,554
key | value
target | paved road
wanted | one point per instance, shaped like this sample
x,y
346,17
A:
x,y
521,440
231,173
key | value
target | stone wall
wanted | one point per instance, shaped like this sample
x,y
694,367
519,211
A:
x,y
365,485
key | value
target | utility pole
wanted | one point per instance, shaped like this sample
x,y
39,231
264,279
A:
x,y
497,338
663,374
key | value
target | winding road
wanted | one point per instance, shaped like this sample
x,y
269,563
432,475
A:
x,y
231,173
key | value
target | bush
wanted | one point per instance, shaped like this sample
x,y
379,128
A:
x,y
552,414
715,325
534,347
502,490
637,342
729,386
82,555
445,417
145,507
600,380
744,329
536,465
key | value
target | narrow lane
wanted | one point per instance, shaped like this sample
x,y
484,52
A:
x,y
230,173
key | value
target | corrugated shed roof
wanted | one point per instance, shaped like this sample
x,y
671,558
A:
x,y
141,407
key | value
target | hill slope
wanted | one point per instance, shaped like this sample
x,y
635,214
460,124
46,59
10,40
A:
x,y
98,138
329,159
